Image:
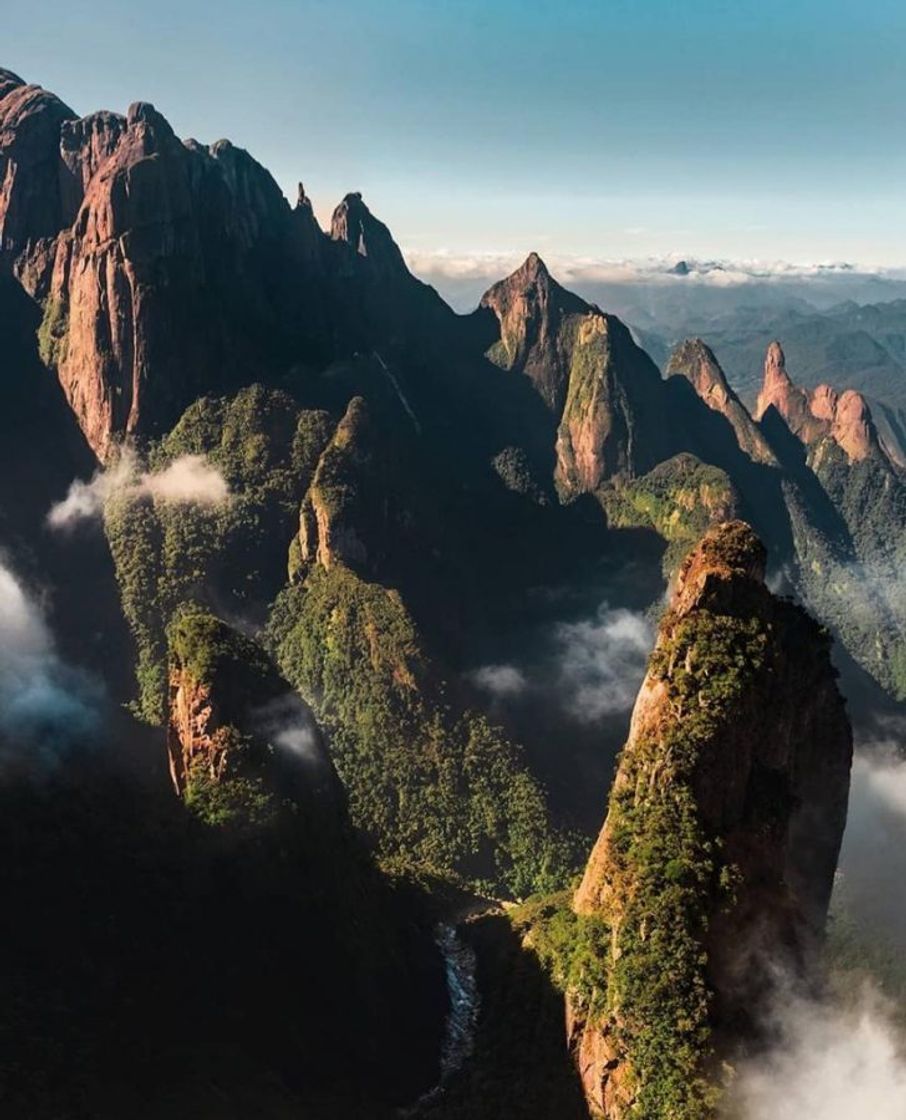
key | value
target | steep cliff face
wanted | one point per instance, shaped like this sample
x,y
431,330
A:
x,y
31,168
533,311
165,282
696,362
716,860
167,268
242,747
344,516
604,390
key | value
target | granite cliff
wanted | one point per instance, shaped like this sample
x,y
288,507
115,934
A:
x,y
715,864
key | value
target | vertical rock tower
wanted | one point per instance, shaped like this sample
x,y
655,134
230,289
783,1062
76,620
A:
x,y
715,864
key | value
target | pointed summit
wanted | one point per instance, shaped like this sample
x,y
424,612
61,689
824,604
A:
x,y
792,402
775,365
534,268
354,224
694,360
688,806
531,308
813,414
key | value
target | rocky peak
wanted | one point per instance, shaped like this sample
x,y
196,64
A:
x,y
712,867
85,146
790,401
8,81
533,270
533,312
353,224
813,415
775,373
853,428
31,205
342,518
729,557
824,402
695,361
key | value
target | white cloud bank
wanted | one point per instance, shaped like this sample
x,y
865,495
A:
x,y
189,479
45,704
602,662
829,1064
667,270
845,1057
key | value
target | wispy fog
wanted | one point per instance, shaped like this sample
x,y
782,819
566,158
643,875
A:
x,y
830,1063
289,725
873,859
45,705
602,662
587,669
188,479
844,1056
500,680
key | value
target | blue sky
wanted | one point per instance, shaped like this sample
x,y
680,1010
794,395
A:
x,y
608,129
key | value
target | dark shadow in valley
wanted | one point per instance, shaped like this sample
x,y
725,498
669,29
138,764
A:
x,y
520,1068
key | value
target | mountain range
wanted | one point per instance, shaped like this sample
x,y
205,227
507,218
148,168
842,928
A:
x,y
363,585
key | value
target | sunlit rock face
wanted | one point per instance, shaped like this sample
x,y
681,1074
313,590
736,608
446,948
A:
x,y
715,864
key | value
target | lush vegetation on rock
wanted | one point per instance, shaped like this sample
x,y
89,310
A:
x,y
572,948
52,333
667,872
867,595
431,784
680,499
231,556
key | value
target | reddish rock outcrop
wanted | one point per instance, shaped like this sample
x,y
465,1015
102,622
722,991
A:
x,y
696,362
235,725
815,414
604,391
532,310
31,168
716,861
167,268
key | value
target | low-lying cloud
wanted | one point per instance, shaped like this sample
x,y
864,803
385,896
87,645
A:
x,y
668,270
45,705
462,277
830,1062
590,669
845,1055
873,857
288,723
500,680
189,479
602,662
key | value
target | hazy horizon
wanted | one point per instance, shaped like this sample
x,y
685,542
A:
x,y
751,132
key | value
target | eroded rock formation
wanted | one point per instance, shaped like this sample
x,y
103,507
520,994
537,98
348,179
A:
x,y
604,390
715,864
816,414
696,362
242,746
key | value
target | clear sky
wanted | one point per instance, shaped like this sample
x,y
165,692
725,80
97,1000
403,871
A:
x,y
773,129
